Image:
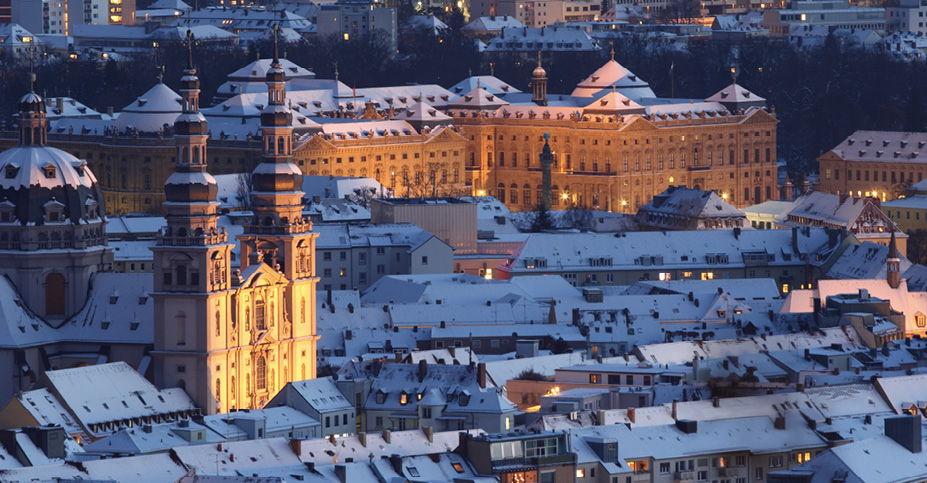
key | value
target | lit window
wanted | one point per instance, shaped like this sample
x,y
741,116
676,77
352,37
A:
x,y
785,288
580,473
403,399
708,276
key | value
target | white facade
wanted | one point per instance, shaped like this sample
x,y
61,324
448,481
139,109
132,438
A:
x,y
908,16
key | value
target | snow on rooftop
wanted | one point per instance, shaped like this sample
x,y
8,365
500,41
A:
x,y
119,393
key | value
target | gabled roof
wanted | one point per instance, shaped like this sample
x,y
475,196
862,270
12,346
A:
x,y
170,4
883,147
614,102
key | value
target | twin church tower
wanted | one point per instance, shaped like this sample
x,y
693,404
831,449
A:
x,y
233,339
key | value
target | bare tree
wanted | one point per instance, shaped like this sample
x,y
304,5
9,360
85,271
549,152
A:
x,y
243,191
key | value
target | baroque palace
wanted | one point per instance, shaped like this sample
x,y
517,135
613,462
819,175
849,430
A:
x,y
615,143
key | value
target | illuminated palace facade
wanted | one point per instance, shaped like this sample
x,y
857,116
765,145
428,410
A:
x,y
615,144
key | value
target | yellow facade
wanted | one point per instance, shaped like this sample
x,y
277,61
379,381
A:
x,y
620,165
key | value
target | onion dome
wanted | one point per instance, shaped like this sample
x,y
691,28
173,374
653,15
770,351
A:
x,y
539,71
276,177
190,187
31,103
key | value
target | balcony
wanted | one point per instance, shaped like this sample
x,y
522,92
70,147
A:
x,y
698,168
684,476
730,472
553,460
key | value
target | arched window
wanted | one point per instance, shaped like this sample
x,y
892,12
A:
x,y
247,318
248,383
232,388
260,373
259,315
218,323
302,372
218,390
270,316
54,294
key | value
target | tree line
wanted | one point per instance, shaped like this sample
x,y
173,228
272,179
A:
x,y
820,95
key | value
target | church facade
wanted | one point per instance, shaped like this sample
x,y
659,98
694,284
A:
x,y
233,339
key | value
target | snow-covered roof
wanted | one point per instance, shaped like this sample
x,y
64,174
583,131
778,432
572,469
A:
x,y
28,167
682,201
683,352
613,74
491,84
170,4
478,98
547,39
321,394
492,24
119,393
421,112
671,249
13,35
883,147
737,94
151,111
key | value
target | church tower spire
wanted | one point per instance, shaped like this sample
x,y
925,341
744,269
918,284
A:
x,y
277,276
539,84
893,263
191,266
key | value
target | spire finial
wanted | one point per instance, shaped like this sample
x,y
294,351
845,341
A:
x,y
492,69
613,52
161,75
335,64
469,72
734,74
539,57
189,50
32,68
276,30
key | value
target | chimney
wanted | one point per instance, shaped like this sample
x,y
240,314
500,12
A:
x,y
396,461
422,370
807,354
885,349
600,417
109,111
429,433
59,103
687,426
779,422
905,430
341,472
737,233
675,403
481,374
631,415
387,435
716,401
362,438
350,308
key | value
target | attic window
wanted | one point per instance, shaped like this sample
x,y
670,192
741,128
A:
x,y
11,172
458,467
381,397
413,471
403,400
464,398
50,172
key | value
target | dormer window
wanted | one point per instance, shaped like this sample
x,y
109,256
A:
x,y
54,211
381,396
464,398
49,171
403,398
11,171
6,212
